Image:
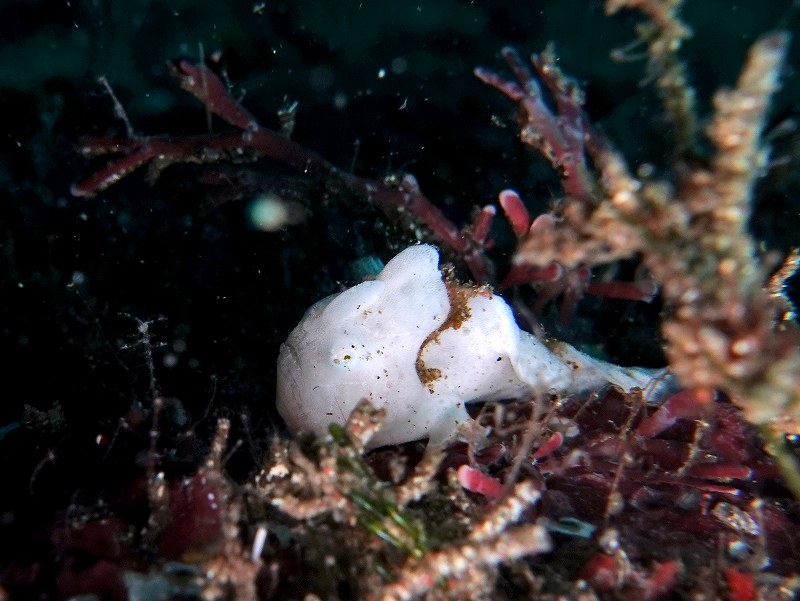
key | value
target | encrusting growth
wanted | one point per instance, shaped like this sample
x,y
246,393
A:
x,y
340,483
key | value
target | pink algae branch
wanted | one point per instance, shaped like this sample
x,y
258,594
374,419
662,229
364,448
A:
x,y
256,142
466,243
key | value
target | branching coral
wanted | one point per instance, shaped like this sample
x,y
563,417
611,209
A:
x,y
387,549
724,329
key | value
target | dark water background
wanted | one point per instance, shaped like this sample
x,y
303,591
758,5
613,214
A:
x,y
382,87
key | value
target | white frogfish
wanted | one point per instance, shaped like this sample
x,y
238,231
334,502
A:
x,y
421,348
